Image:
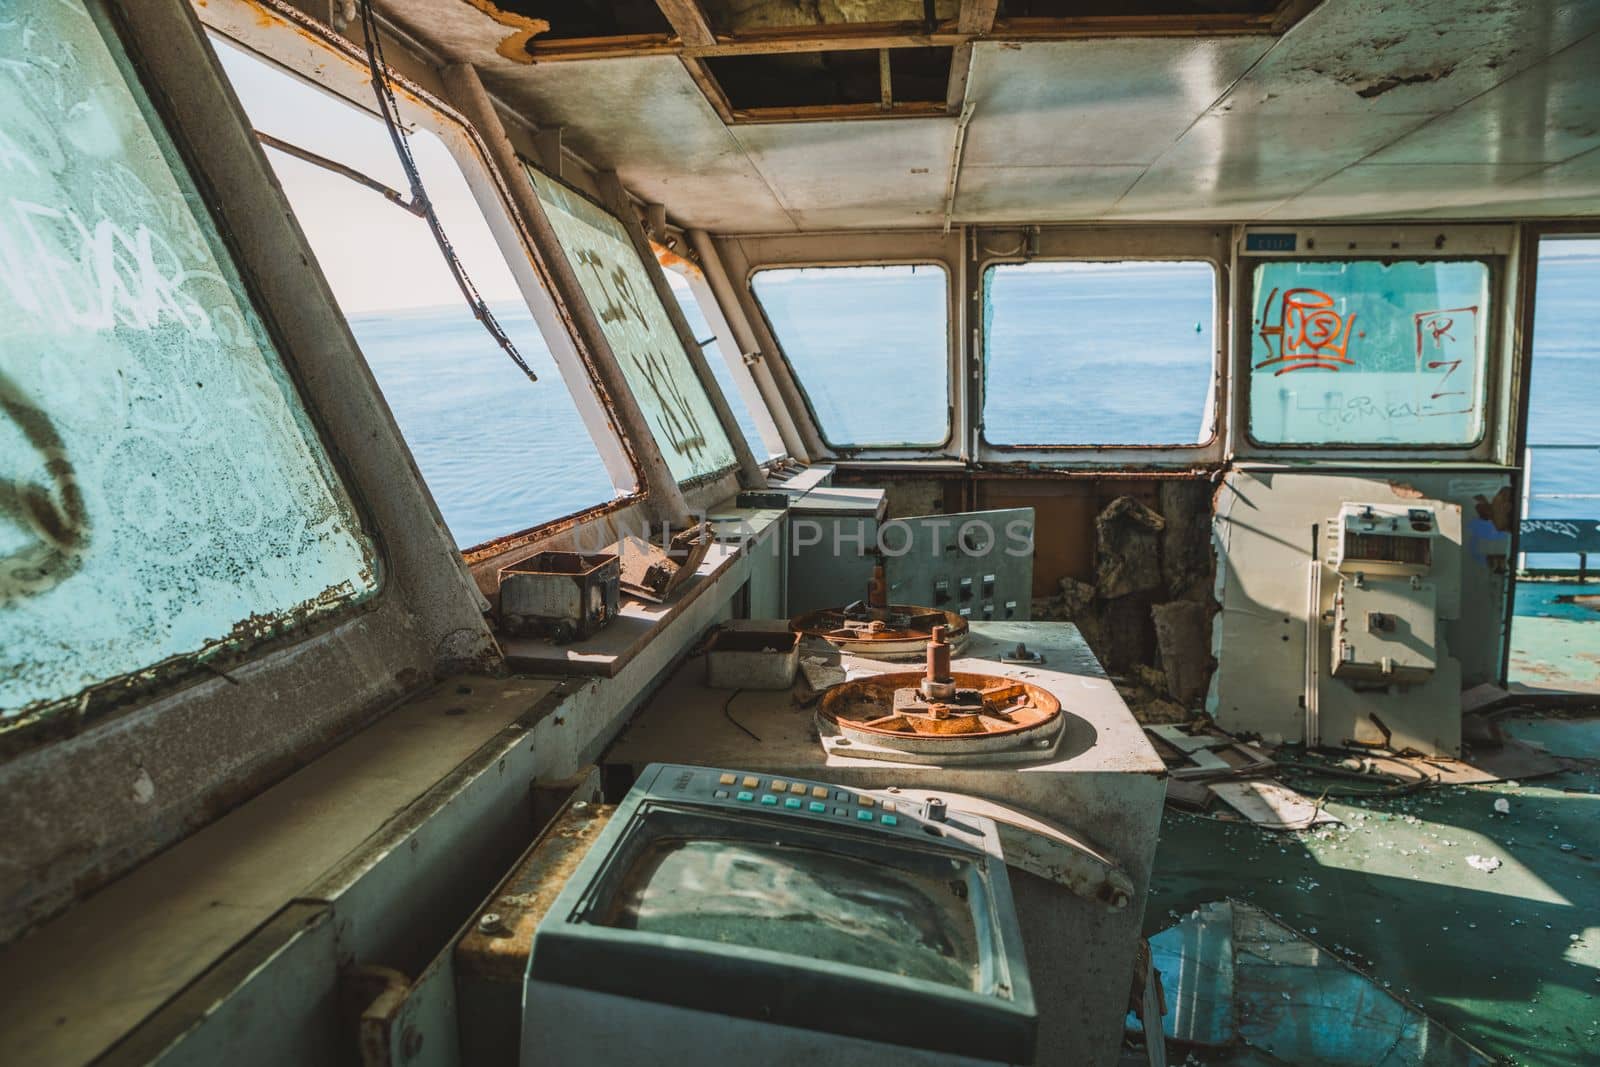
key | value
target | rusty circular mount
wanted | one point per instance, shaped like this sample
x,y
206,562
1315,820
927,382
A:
x,y
889,707
903,636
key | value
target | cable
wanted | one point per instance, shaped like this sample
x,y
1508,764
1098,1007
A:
x,y
389,110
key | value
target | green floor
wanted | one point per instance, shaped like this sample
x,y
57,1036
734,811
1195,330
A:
x,y
1555,646
1509,960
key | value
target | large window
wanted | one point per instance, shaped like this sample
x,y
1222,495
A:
x,y
1099,353
161,487
1367,352
641,335
499,453
869,346
719,366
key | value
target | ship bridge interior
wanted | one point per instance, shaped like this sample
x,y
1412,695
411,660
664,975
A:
x,y
926,532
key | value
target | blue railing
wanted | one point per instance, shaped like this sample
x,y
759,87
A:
x,y
1564,521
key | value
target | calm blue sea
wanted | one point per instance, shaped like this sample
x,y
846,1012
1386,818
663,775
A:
x,y
502,454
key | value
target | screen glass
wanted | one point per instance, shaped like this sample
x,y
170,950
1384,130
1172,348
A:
x,y
904,913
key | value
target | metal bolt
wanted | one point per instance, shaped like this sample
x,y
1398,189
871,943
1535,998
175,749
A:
x,y
490,923
582,805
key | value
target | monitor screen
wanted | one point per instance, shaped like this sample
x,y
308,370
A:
x,y
894,913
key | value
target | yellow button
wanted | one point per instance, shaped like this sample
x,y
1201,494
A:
x,y
888,805
779,785
726,779
797,787
751,781
820,791
865,801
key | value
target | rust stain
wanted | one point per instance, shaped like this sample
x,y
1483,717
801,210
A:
x,y
1406,492
515,46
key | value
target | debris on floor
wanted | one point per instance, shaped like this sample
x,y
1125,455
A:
x,y
1272,806
1241,987
1486,864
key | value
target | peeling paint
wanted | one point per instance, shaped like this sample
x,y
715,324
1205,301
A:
x,y
515,46
1383,85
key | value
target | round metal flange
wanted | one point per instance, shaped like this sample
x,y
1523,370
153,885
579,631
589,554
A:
x,y
988,714
901,634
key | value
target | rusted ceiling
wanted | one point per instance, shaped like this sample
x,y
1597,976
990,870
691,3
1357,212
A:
x,y
1431,108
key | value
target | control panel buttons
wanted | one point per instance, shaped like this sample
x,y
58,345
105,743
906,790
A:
x,y
745,795
820,792
890,820
864,816
817,806
721,794
841,795
791,802
750,781
888,805
726,779
841,811
865,802
769,800
779,785
797,788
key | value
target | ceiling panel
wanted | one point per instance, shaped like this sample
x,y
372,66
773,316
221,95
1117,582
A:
x,y
1382,57
1100,102
646,119
1236,166
1020,194
887,172
1545,114
1406,190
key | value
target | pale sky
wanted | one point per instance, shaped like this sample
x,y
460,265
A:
x,y
374,254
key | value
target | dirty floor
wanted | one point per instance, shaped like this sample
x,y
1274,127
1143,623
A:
x,y
1555,642
1508,959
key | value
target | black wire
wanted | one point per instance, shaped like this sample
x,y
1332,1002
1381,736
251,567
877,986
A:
x,y
727,713
389,110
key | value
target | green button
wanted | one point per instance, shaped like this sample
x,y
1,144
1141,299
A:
x,y
817,806
746,796
891,820
791,802
864,816
769,799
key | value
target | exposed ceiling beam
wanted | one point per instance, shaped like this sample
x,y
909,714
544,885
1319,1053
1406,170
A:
x,y
873,36
688,21
977,16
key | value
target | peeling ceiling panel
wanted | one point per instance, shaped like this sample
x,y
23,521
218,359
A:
x,y
827,174
1099,102
1420,57
1546,114
1020,194
1237,166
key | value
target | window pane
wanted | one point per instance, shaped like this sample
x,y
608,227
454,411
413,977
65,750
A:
x,y
651,354
718,365
1564,391
1361,352
869,347
161,487
1098,353
499,453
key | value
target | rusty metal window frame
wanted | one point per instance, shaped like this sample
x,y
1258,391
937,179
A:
x,y
1211,411
987,246
338,66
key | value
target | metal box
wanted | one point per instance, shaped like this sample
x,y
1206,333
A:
x,y
752,659
560,595
1384,629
